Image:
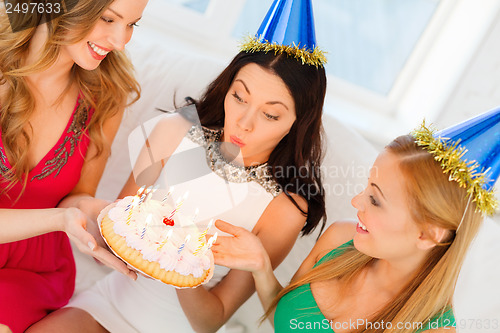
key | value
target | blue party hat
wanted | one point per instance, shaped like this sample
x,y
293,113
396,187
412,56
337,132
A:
x,y
288,28
469,153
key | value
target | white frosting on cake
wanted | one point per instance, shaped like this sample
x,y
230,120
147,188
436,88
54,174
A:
x,y
143,228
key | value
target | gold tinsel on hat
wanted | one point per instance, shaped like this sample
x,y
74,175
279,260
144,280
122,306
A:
x,y
466,173
315,57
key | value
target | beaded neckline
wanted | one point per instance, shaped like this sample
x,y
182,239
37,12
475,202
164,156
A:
x,y
210,140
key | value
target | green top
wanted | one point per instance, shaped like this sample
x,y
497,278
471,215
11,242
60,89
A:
x,y
298,310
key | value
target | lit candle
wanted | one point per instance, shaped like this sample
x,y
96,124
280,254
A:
x,y
170,190
201,238
147,191
207,246
171,216
142,192
139,191
141,200
202,235
212,240
150,193
198,248
148,222
130,208
129,217
178,205
184,197
188,237
167,237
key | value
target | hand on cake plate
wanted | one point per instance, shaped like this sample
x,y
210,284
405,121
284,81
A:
x,y
243,250
75,226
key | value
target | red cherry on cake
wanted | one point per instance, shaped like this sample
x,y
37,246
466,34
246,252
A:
x,y
168,221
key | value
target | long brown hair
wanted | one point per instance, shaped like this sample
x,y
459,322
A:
x,y
105,89
434,200
296,160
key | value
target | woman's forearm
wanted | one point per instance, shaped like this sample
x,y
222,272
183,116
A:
x,y
86,203
206,318
74,200
267,286
19,224
213,314
219,303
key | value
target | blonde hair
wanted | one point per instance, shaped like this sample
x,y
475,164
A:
x,y
434,200
105,89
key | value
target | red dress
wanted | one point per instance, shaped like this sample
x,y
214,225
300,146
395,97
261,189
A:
x,y
37,275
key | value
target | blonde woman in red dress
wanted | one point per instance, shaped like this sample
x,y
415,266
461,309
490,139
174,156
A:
x,y
63,88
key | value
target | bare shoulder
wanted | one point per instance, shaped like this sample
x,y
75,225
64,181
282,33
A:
x,y
282,211
335,235
282,201
338,233
166,134
301,201
170,120
170,125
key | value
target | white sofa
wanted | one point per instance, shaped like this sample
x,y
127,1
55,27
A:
x,y
164,74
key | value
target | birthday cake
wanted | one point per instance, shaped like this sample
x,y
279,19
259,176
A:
x,y
155,239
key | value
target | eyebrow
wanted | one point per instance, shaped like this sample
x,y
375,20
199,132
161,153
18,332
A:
x,y
119,15
270,103
378,188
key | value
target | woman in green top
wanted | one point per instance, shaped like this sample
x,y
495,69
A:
x,y
392,271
